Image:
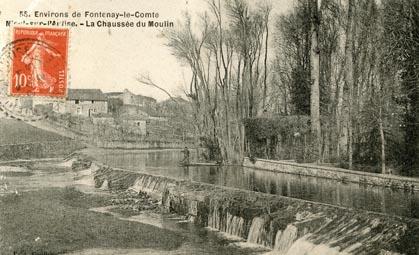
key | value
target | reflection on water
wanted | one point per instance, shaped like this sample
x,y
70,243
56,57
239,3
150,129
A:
x,y
379,199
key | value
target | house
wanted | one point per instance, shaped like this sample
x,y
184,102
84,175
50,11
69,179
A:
x,y
128,102
130,98
86,102
134,124
115,95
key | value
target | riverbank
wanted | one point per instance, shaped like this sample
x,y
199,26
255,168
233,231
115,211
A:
x,y
46,212
343,175
285,225
56,221
20,140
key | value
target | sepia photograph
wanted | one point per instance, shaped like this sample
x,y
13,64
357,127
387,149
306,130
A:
x,y
206,127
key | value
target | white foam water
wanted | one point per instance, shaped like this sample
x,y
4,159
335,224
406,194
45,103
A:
x,y
105,185
256,230
225,235
302,246
285,239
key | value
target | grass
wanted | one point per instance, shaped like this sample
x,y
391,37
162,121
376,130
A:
x,y
55,221
15,131
19,140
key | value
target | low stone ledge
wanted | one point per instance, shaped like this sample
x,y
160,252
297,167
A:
x,y
344,175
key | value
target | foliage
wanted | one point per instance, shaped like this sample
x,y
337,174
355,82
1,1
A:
x,y
368,80
282,137
114,104
260,128
293,61
401,47
213,150
375,111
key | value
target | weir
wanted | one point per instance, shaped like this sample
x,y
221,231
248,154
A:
x,y
371,197
282,224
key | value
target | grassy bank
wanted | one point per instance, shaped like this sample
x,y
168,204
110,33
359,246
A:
x,y
19,140
54,221
15,131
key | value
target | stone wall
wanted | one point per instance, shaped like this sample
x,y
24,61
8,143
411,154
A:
x,y
339,174
285,225
86,108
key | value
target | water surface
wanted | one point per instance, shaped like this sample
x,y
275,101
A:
x,y
352,195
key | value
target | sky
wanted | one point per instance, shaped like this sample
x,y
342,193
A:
x,y
111,59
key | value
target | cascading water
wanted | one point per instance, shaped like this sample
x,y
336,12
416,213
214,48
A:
x,y
235,225
277,239
284,239
302,247
147,183
225,222
337,236
289,227
256,231
306,233
214,218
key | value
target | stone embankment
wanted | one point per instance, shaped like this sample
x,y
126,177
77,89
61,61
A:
x,y
284,225
344,175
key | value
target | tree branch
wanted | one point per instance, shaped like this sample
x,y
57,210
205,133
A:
x,y
146,80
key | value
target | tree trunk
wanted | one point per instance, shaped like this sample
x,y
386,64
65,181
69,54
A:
x,y
383,142
339,120
265,67
349,78
315,77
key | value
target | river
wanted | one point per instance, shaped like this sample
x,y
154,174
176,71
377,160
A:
x,y
352,195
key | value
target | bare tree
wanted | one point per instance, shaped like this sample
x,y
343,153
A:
x,y
315,76
146,80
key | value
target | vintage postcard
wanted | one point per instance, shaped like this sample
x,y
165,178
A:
x,y
196,127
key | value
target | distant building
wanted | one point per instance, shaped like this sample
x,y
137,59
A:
x,y
114,95
130,98
135,124
86,102
106,119
128,103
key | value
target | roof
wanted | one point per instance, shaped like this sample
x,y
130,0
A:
x,y
139,96
147,98
113,94
86,94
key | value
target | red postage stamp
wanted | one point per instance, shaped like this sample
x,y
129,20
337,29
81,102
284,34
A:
x,y
39,65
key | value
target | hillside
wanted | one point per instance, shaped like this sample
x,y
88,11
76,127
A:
x,y
19,140
15,131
